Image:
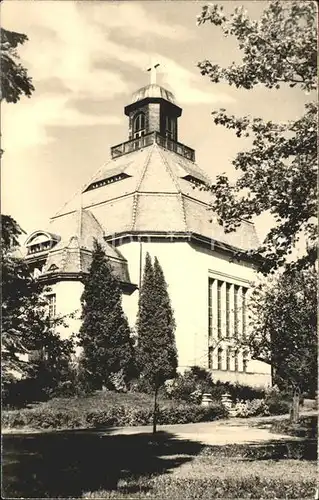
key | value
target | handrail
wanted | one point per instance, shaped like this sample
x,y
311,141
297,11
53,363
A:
x,y
151,138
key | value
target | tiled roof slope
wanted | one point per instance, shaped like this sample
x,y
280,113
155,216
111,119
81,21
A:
x,y
155,197
73,253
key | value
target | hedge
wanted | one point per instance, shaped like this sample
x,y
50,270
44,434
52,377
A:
x,y
48,418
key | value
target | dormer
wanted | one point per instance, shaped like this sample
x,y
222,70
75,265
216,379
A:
x,y
41,241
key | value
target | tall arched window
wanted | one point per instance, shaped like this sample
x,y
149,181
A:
x,y
139,125
170,128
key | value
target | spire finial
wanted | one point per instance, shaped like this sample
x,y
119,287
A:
x,y
152,69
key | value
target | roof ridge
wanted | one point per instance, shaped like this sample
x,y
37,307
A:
x,y
173,176
193,165
135,196
184,211
169,170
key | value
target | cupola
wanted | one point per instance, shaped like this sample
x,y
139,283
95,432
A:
x,y
153,119
153,109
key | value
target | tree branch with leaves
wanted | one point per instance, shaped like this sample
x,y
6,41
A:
x,y
15,80
278,174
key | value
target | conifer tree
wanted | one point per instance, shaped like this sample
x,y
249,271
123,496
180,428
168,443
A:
x,y
156,330
105,332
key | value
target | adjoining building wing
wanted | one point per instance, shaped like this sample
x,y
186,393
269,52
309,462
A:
x,y
66,253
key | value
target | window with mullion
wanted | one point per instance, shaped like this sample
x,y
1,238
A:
x,y
139,125
170,128
245,361
210,357
236,360
236,316
243,310
227,310
228,358
52,305
219,309
210,308
220,358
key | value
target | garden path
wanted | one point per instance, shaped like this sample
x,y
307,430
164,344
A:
x,y
220,432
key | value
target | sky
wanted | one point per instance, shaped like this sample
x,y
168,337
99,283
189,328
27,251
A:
x,y
86,58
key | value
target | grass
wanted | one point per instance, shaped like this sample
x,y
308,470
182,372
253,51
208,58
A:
x,y
83,465
307,427
98,399
101,399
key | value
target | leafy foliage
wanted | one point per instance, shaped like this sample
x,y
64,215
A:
x,y
278,174
10,232
26,324
272,404
284,328
105,334
15,81
256,407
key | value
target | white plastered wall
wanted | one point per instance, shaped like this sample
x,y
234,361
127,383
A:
x,y
68,302
187,268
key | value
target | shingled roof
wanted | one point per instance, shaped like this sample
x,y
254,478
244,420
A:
x,y
156,195
72,255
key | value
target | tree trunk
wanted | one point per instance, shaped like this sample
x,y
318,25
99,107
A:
x,y
155,410
295,406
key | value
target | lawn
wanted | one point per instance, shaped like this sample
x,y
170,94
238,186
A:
x,y
80,464
100,400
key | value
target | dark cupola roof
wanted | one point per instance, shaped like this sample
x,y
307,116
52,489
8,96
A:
x,y
153,90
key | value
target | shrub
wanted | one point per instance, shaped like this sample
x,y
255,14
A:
x,y
183,414
252,408
196,380
41,385
21,392
141,385
116,415
237,391
277,401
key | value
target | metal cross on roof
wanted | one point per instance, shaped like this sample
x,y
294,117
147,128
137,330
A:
x,y
152,69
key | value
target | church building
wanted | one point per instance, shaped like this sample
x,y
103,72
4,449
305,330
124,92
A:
x,y
149,197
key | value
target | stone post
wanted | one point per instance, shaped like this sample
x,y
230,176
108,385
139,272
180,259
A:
x,y
206,399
